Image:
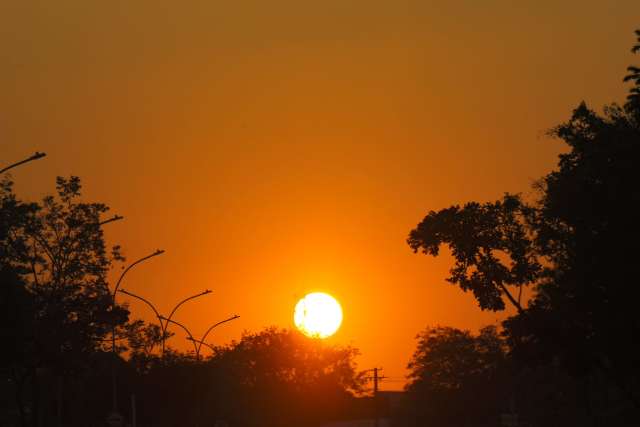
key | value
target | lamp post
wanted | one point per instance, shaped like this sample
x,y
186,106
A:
x,y
114,392
36,156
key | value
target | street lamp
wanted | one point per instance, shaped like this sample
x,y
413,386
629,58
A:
x,y
114,392
115,290
156,253
36,156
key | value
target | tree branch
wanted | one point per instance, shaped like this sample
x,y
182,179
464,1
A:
x,y
515,303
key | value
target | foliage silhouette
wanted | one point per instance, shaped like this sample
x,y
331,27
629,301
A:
x,y
274,377
54,264
575,244
453,369
491,246
458,378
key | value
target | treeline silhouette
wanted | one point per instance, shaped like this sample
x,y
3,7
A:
x,y
59,322
569,356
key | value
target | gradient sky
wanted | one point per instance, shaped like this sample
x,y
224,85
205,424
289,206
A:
x,y
274,148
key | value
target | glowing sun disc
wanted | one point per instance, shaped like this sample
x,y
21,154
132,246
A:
x,y
318,315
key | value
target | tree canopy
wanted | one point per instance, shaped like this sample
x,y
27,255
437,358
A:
x,y
57,248
453,369
273,377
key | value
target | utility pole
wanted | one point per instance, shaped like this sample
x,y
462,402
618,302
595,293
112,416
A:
x,y
376,404
375,382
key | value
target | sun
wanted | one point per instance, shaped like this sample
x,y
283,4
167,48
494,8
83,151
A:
x,y
318,315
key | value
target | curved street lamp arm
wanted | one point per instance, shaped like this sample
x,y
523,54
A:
x,y
112,219
156,253
204,337
97,225
205,292
202,343
36,156
185,329
148,303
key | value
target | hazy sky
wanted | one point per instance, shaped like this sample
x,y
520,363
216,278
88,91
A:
x,y
279,147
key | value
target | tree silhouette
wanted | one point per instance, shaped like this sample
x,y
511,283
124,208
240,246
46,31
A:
x,y
576,243
273,377
633,99
288,377
491,245
453,369
55,261
16,330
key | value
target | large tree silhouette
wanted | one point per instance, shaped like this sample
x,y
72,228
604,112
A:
x,y
54,264
576,244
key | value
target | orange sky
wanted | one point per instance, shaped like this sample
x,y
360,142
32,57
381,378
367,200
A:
x,y
276,148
